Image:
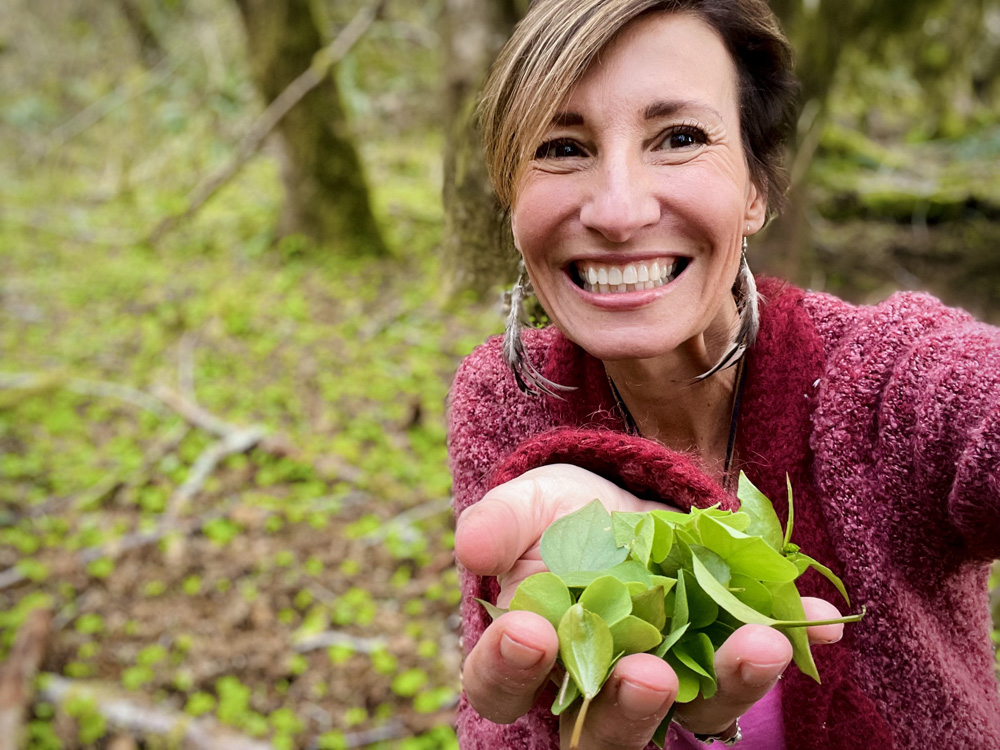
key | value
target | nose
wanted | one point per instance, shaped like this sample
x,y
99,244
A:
x,y
621,201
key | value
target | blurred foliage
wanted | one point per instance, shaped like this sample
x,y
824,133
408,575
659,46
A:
x,y
346,360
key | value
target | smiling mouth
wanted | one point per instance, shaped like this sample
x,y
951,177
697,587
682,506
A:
x,y
605,278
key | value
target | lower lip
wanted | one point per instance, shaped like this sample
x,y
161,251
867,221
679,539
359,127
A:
x,y
624,300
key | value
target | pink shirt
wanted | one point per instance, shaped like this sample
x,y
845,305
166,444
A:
x,y
762,726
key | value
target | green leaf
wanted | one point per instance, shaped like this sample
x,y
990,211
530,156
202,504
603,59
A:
x,y
608,598
722,596
702,608
623,524
568,692
670,639
763,520
632,635
649,605
663,539
787,605
698,655
689,682
582,540
749,555
751,592
680,613
586,649
491,609
803,561
544,594
627,572
642,545
718,567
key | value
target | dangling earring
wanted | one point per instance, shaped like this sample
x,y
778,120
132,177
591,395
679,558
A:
x,y
747,301
529,379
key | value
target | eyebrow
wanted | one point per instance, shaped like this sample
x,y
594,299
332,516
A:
x,y
652,112
670,108
567,119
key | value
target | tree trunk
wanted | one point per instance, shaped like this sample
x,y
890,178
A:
x,y
326,195
150,47
477,249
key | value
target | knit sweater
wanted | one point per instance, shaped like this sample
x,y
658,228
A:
x,y
887,421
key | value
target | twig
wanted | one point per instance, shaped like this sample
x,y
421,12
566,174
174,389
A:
x,y
309,79
233,443
193,414
52,381
128,716
94,113
329,638
403,523
17,676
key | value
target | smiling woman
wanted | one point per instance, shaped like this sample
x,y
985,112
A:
x,y
636,145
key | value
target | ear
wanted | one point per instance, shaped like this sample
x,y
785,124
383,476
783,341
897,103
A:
x,y
756,209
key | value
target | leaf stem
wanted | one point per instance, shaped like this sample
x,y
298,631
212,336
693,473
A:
x,y
574,741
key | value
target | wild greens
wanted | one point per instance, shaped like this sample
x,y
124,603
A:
x,y
672,584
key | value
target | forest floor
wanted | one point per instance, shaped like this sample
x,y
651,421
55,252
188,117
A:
x,y
223,473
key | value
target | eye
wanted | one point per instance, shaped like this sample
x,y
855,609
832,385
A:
x,y
683,137
560,148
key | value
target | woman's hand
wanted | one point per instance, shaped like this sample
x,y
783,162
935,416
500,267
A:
x,y
511,663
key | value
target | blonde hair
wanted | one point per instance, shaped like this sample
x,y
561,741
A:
x,y
558,40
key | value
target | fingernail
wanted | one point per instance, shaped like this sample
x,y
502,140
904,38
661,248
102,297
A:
x,y
639,701
517,654
758,675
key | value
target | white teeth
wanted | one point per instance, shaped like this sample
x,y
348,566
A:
x,y
631,278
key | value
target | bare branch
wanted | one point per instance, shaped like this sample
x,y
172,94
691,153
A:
x,y
129,716
329,638
309,79
17,676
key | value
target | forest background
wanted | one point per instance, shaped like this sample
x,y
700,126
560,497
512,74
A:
x,y
224,357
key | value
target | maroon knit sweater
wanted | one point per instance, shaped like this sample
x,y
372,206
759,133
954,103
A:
x,y
887,420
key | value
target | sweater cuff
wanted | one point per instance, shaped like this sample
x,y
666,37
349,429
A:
x,y
643,467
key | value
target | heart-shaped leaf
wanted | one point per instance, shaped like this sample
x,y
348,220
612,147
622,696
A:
x,y
582,540
544,594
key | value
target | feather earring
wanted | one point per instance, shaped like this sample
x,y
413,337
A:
x,y
529,379
748,302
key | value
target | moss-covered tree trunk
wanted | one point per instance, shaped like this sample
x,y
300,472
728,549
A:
x,y
478,253
326,195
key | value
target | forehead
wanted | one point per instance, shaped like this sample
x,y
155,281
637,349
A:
x,y
670,57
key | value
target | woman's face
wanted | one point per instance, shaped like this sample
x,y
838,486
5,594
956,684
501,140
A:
x,y
631,216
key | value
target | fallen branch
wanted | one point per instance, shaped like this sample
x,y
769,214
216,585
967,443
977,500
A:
x,y
234,443
127,716
402,524
329,638
309,79
17,676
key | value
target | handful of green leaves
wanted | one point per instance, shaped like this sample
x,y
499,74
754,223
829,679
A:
x,y
667,583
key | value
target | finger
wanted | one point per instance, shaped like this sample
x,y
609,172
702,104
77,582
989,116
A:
x,y
747,666
629,708
493,534
509,664
820,609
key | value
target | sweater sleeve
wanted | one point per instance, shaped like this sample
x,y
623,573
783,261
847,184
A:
x,y
921,385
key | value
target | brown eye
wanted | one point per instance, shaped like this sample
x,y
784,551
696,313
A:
x,y
558,149
685,138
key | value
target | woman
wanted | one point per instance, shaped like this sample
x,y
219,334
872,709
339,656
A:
x,y
637,145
